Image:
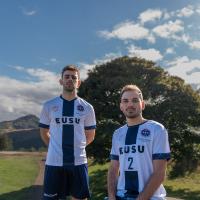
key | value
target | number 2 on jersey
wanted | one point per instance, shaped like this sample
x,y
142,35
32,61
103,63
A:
x,y
130,160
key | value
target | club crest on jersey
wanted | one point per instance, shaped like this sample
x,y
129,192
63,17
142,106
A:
x,y
55,108
145,132
80,108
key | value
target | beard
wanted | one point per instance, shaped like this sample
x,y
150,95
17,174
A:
x,y
69,89
132,114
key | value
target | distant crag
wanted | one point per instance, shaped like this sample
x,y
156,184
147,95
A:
x,y
25,122
23,133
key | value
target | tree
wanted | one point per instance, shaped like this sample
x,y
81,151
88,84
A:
x,y
5,143
100,149
168,100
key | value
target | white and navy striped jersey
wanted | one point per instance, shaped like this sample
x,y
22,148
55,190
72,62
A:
x,y
136,147
67,122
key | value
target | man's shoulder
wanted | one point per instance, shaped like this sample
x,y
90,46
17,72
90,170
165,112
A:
x,y
83,102
52,101
155,127
154,124
121,129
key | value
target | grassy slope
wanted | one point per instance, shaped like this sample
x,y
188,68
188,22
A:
x,y
187,188
98,175
17,173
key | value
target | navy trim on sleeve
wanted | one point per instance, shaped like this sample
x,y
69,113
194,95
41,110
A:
x,y
43,125
114,157
90,127
161,156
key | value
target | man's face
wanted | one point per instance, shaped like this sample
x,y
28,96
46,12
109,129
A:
x,y
70,81
131,104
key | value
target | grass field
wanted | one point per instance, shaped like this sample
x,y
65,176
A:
x,y
17,175
187,188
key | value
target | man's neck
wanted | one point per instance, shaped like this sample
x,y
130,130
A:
x,y
69,95
135,121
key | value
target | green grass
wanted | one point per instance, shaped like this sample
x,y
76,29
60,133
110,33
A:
x,y
98,175
187,188
17,175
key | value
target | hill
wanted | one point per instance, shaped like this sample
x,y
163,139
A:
x,y
25,122
23,133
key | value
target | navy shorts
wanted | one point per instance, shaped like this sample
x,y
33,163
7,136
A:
x,y
60,182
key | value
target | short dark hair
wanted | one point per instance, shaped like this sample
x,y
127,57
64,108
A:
x,y
73,68
131,87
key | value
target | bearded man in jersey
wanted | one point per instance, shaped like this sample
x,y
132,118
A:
x,y
67,125
139,154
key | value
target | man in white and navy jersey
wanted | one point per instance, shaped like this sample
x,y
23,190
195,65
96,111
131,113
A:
x,y
139,154
67,125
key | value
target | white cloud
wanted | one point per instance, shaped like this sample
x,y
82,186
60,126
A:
x,y
85,66
189,26
186,68
169,30
185,38
151,39
20,98
30,12
41,74
166,15
186,11
198,10
108,57
53,60
195,44
150,15
126,31
149,54
170,51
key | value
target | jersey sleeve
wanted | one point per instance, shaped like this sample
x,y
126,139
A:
x,y
90,119
44,117
114,154
161,149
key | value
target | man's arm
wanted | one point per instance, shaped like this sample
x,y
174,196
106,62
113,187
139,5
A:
x,y
155,180
113,173
89,134
45,135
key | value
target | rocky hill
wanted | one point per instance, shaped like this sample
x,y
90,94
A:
x,y
25,122
22,133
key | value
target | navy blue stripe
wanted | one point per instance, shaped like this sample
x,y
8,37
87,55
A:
x,y
68,134
114,157
131,183
90,127
131,177
43,125
161,156
131,135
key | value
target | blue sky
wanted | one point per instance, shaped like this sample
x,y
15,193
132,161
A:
x,y
39,37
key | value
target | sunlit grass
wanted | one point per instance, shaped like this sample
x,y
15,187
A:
x,y
17,172
187,188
